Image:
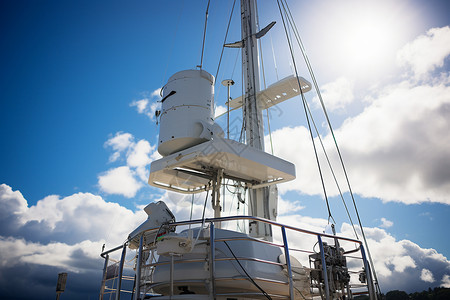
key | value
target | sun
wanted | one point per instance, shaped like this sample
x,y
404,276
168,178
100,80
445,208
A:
x,y
366,38
360,34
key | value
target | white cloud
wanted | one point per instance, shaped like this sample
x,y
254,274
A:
x,y
385,223
18,251
139,155
427,52
119,143
446,281
124,180
288,207
140,105
45,240
156,93
219,110
120,181
395,150
12,202
337,94
57,231
400,264
148,105
427,275
285,148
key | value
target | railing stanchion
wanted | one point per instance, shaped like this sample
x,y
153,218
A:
x,y
368,275
138,269
122,260
288,263
172,262
212,262
324,268
105,268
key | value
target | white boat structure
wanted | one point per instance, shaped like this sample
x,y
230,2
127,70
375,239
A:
x,y
205,258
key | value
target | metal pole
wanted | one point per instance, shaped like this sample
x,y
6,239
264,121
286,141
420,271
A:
x,y
172,262
105,267
254,132
212,261
228,113
138,269
288,263
324,268
122,260
368,275
228,83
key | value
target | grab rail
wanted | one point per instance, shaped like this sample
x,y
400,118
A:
x,y
211,261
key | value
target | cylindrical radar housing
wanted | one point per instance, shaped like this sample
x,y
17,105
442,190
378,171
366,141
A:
x,y
187,111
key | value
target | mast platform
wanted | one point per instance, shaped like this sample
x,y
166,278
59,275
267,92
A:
x,y
189,171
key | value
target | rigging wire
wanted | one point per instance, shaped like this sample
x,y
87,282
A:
x,y
192,205
260,46
264,79
225,39
244,107
330,216
273,56
336,145
290,19
206,201
235,62
270,131
204,34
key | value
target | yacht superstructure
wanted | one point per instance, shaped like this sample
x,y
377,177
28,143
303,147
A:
x,y
208,258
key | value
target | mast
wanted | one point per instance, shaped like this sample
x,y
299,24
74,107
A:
x,y
263,201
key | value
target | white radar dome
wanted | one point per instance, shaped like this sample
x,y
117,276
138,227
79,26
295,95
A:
x,y
187,111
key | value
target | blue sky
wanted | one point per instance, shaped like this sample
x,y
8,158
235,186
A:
x,y
77,88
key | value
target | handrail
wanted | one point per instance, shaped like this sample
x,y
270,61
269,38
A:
x,y
235,218
112,250
212,222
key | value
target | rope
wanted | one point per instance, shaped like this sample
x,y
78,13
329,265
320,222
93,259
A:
x,y
264,80
204,34
306,113
225,39
270,131
324,151
192,205
336,144
273,56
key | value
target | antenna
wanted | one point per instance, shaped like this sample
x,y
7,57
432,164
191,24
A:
x,y
228,83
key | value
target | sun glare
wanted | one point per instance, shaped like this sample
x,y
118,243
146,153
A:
x,y
362,34
367,39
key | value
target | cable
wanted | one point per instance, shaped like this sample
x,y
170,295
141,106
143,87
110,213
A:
x,y
192,205
306,113
273,56
270,131
204,205
225,39
204,34
337,147
318,135
203,219
249,277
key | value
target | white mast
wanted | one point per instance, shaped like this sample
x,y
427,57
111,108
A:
x,y
260,199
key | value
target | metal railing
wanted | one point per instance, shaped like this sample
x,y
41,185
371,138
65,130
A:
x,y
210,283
